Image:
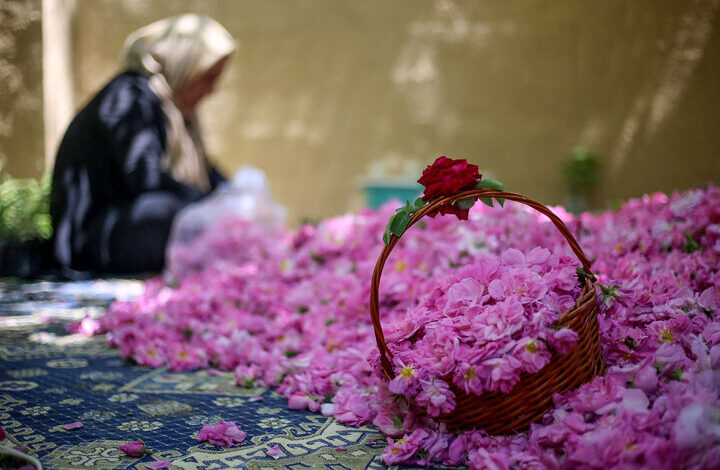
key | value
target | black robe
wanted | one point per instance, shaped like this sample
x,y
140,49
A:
x,y
111,203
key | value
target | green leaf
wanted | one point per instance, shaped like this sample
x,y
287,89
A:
x,y
489,183
487,200
583,276
399,222
581,171
465,204
609,291
392,222
410,208
24,208
690,245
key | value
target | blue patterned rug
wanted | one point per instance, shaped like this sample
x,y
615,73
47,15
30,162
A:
x,y
49,378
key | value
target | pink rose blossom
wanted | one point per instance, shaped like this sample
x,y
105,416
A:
x,y
303,401
402,449
698,423
223,434
563,340
465,294
436,397
352,408
133,448
394,417
482,459
88,326
532,354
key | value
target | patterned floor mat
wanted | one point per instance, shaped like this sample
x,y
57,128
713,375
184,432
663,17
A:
x,y
49,378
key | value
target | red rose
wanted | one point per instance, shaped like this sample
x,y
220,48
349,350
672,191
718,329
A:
x,y
446,177
461,214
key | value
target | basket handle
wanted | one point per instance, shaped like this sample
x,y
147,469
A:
x,y
385,354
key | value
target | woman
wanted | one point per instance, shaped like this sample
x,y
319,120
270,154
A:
x,y
133,157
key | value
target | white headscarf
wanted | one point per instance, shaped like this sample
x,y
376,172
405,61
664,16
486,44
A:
x,y
172,52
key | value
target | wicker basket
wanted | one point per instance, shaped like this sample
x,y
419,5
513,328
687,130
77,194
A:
x,y
513,412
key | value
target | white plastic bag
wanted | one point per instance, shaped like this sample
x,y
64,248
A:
x,y
244,200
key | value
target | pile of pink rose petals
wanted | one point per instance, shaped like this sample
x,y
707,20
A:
x,y
483,327
290,310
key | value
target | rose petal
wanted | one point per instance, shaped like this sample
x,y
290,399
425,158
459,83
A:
x,y
274,452
160,464
133,448
75,425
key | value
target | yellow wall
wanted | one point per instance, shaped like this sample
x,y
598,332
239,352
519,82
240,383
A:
x,y
320,88
21,118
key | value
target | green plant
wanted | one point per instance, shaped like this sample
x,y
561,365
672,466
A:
x,y
581,171
24,208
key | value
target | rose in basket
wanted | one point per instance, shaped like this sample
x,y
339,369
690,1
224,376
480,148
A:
x,y
483,328
489,346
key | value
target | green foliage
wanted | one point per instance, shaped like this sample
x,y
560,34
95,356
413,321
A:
x,y
24,208
581,171
583,276
466,204
489,183
399,222
609,291
690,245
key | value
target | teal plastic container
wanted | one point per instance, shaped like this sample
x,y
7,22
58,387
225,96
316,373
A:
x,y
378,193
